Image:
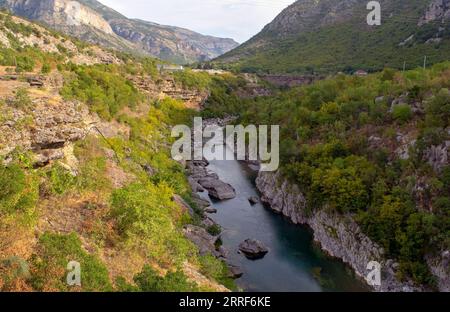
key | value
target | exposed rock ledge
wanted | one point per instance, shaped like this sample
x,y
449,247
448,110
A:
x,y
338,235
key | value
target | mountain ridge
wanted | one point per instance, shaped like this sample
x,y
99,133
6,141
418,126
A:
x,y
329,36
94,22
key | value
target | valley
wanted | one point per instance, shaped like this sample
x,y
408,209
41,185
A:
x,y
87,175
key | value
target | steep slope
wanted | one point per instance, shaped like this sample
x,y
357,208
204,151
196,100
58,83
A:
x,y
83,146
92,21
331,35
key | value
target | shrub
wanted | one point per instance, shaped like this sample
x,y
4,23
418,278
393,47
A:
x,y
217,270
22,99
60,180
193,80
147,217
45,68
402,113
62,49
439,107
214,230
24,63
105,91
18,191
342,189
49,265
149,281
92,167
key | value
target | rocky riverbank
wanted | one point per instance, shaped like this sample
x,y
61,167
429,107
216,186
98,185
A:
x,y
341,237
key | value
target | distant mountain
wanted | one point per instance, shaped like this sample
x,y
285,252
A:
x,y
94,22
333,35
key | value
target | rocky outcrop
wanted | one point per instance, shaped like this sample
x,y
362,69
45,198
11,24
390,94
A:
x,y
438,156
438,10
46,130
200,178
166,86
205,242
439,266
59,12
338,235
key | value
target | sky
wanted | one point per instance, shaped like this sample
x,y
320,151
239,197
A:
x,y
237,19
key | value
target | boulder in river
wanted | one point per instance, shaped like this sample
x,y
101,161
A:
x,y
218,189
235,272
253,200
211,210
253,249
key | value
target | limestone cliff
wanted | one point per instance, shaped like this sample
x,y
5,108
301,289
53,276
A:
x,y
60,12
340,236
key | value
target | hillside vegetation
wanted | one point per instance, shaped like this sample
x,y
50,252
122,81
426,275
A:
x,y
86,173
332,35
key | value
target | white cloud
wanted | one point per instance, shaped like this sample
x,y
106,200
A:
x,y
237,19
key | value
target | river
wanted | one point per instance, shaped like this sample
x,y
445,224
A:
x,y
295,263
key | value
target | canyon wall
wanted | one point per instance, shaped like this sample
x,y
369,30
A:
x,y
340,236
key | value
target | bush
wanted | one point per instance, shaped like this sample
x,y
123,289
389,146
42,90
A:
x,y
22,99
217,270
341,189
149,281
147,217
45,68
106,92
49,265
439,108
18,191
402,113
193,80
92,167
60,180
214,230
24,64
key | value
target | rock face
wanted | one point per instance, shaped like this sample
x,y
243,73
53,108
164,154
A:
x,y
205,242
59,12
438,156
338,235
253,249
174,44
92,21
440,268
70,17
437,10
54,127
